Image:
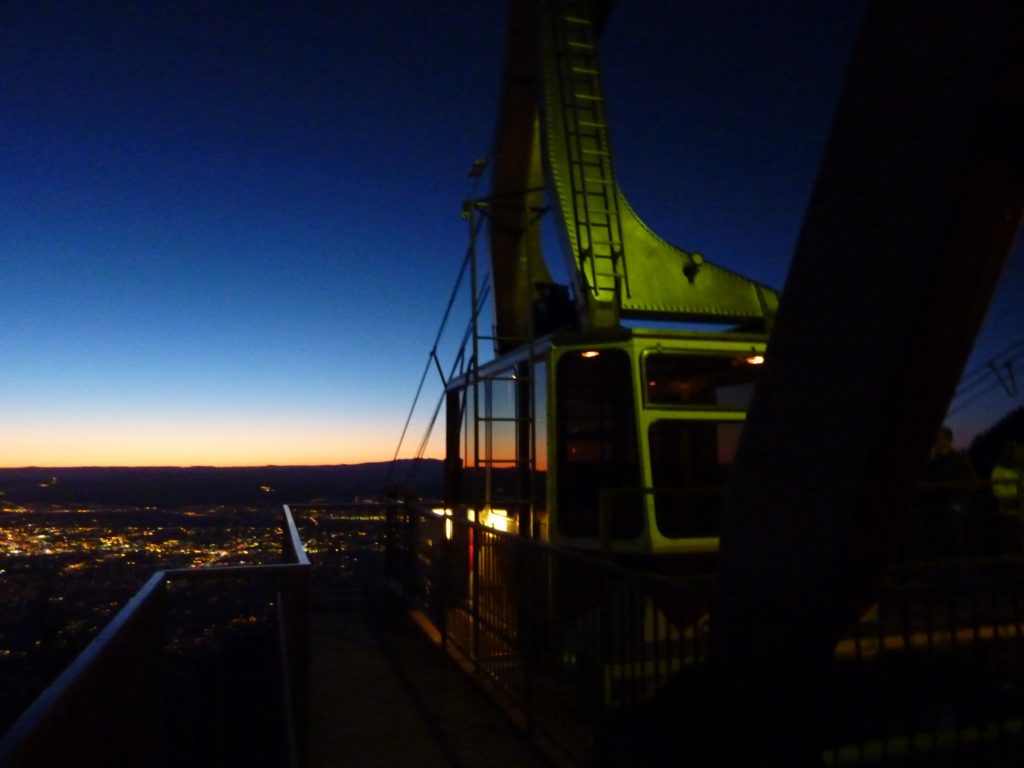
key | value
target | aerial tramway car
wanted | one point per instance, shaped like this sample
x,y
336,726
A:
x,y
589,430
616,441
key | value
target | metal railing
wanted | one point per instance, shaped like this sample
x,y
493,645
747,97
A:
x,y
345,546
204,666
582,650
932,674
570,642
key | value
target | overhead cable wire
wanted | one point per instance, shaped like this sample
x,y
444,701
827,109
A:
x,y
980,373
433,419
1009,349
476,173
481,298
962,405
431,358
425,441
962,400
988,372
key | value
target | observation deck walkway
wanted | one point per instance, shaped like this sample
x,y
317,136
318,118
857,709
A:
x,y
381,693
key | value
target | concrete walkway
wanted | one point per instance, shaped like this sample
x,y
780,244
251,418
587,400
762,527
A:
x,y
382,694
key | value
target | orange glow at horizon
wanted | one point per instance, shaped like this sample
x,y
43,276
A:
x,y
190,444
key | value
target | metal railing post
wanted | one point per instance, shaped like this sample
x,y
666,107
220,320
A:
x,y
445,568
294,617
476,547
391,540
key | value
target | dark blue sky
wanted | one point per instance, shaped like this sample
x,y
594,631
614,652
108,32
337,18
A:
x,y
228,231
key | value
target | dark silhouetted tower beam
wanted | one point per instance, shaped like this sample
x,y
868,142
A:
x,y
915,209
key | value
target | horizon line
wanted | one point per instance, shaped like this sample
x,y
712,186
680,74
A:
x,y
210,466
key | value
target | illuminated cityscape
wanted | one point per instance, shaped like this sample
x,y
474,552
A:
x,y
67,570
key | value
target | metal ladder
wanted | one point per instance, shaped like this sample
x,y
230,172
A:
x,y
595,201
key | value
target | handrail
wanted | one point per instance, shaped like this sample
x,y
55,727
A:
x,y
292,539
57,694
61,692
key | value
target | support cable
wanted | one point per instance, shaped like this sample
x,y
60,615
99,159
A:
x,y
481,298
978,383
980,372
985,386
432,357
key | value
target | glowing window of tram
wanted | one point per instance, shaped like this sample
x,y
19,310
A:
x,y
725,381
690,462
597,450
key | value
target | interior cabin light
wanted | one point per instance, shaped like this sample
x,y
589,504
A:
x,y
498,523
496,519
755,360
590,353
446,513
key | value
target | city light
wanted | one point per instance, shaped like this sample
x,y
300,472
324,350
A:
x,y
73,567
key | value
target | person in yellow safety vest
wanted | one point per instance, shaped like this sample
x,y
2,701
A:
x,y
1007,477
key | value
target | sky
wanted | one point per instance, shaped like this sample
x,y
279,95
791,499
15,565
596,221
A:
x,y
228,231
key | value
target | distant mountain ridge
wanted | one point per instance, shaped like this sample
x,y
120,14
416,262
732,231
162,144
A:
x,y
178,486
